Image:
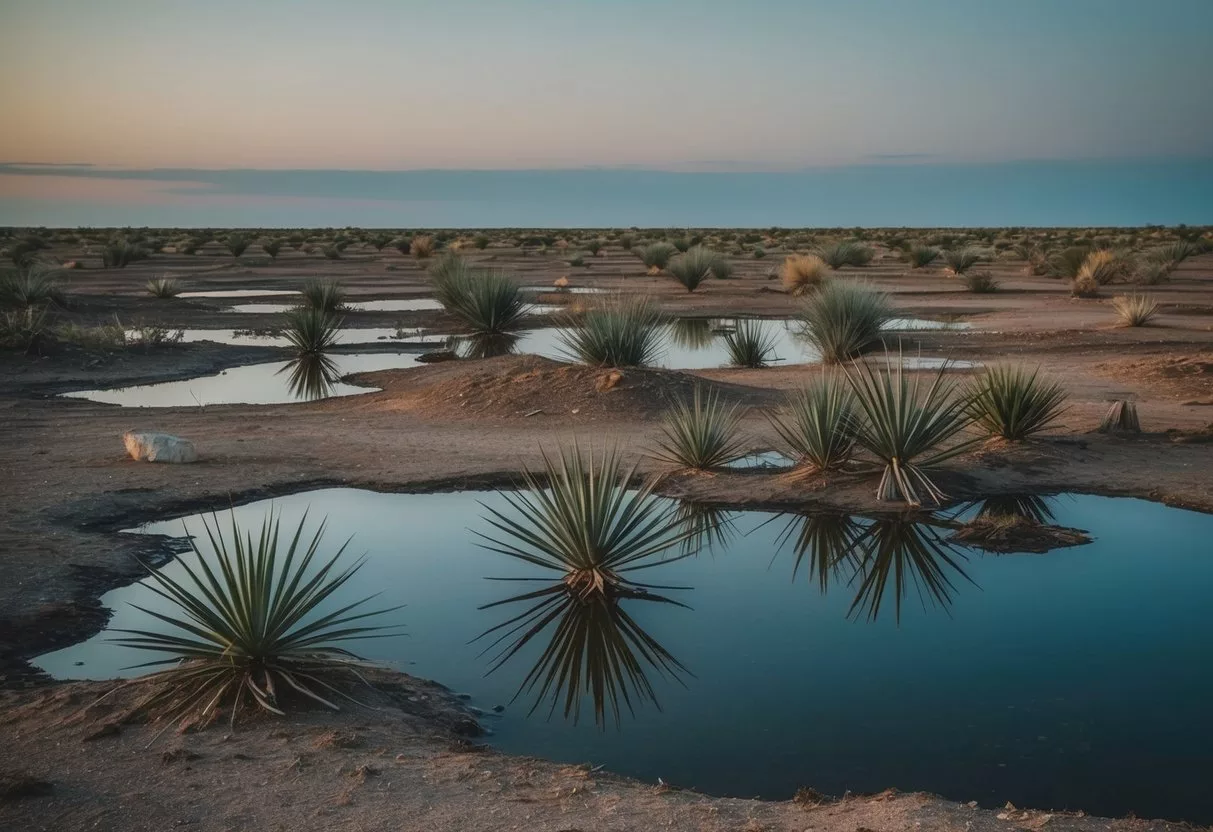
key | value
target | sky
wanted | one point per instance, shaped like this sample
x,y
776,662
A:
x,y
667,85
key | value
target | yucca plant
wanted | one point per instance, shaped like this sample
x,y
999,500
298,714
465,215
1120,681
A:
x,y
981,283
450,276
325,295
922,256
489,303
120,253
272,247
1066,263
32,285
818,423
238,243
656,256
722,267
253,625
620,332
1152,271
960,260
844,319
581,520
692,268
700,434
749,344
845,253
801,273
311,330
163,287
1135,309
904,427
23,328
311,376
1174,253
1014,403
1102,267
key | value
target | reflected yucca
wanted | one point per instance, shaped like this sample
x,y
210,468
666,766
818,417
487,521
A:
x,y
749,344
489,346
823,543
257,623
706,526
594,647
818,423
905,427
1035,508
312,376
692,333
1014,403
702,433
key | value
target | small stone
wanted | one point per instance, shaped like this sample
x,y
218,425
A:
x,y
498,708
149,446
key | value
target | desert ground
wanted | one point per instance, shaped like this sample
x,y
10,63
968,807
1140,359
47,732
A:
x,y
69,763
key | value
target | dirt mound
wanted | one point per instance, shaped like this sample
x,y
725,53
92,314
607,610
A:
x,y
513,387
1185,375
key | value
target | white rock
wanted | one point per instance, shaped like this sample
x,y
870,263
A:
x,y
148,446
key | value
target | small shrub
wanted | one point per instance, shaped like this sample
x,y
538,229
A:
x,y
120,254
818,423
656,256
150,336
1151,271
981,283
481,241
682,244
23,328
238,243
701,434
271,247
621,332
106,337
331,252
1066,264
904,427
595,246
325,295
758,252
31,285
845,253
961,260
1084,286
625,241
311,329
922,256
801,273
163,287
1012,403
749,344
577,261
693,268
489,303
1135,309
421,246
1103,267
844,319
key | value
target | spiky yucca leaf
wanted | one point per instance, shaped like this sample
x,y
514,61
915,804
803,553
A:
x,y
585,522
311,330
904,426
701,434
163,287
253,624
749,344
618,332
1013,403
656,256
818,425
491,303
311,376
961,260
1135,309
325,295
692,268
844,319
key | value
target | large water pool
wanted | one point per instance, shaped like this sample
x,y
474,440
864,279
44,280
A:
x,y
828,651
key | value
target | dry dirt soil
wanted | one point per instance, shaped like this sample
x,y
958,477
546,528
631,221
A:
x,y
66,763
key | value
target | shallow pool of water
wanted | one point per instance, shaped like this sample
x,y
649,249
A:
x,y
272,338
836,652
274,382
239,293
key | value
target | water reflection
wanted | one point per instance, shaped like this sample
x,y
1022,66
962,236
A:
x,y
312,376
692,333
704,527
1036,508
488,346
890,555
593,646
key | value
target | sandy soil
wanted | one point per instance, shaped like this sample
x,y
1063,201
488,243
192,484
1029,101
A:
x,y
69,490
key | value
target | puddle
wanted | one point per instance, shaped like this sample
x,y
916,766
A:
x,y
405,305
767,460
567,290
239,293
268,338
847,652
923,325
276,382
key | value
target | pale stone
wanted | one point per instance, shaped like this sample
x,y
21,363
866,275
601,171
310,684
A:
x,y
148,446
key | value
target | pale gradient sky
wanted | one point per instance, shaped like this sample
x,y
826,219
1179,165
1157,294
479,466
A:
x,y
676,84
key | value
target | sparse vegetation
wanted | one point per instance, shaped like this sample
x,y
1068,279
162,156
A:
x,y
906,427
325,295
701,434
1014,403
421,246
121,253
163,287
656,256
620,332
749,344
312,329
960,260
801,273
921,256
1134,309
818,423
247,626
981,283
845,319
845,253
31,285
693,268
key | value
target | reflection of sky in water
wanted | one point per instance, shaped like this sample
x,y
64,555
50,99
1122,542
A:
x,y
361,335
1076,678
239,293
398,305
268,383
